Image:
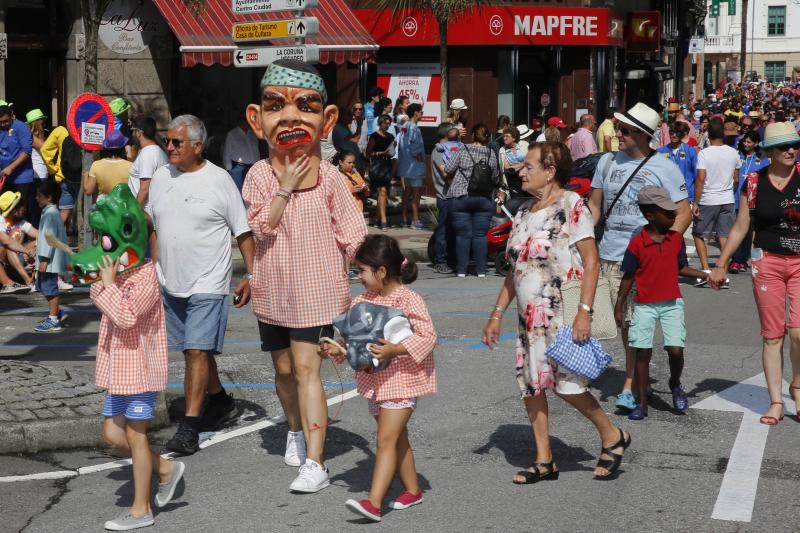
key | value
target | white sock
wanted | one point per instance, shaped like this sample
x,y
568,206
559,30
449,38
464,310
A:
x,y
53,318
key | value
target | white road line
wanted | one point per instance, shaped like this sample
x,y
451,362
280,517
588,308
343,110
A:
x,y
215,438
737,495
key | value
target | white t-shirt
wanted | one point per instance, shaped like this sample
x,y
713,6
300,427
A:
x,y
150,158
194,214
719,162
39,168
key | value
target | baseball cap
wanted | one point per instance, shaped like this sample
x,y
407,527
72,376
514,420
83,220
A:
x,y
659,196
556,121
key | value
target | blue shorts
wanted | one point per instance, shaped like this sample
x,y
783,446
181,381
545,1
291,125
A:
x,y
197,322
47,283
131,406
67,200
413,182
643,324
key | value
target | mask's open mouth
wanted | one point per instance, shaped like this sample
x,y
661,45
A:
x,y
126,258
289,138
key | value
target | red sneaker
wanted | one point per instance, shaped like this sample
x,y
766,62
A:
x,y
405,500
365,509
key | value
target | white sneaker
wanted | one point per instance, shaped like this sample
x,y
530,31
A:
x,y
311,478
295,449
64,286
32,287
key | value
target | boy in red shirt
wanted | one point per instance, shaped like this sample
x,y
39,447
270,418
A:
x,y
655,257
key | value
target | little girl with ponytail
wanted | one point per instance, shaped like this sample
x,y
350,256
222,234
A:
x,y
393,391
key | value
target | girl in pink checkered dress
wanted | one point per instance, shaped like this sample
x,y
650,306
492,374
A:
x,y
393,391
132,367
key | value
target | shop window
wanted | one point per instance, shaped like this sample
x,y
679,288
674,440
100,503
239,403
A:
x,y
775,71
776,21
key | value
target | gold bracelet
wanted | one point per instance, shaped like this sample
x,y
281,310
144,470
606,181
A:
x,y
495,318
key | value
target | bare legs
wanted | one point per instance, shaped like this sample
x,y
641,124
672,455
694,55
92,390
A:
x,y
383,200
630,360
587,405
286,388
129,438
393,454
201,376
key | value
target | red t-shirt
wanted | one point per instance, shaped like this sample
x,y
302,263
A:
x,y
655,266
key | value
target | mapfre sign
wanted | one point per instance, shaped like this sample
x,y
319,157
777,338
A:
x,y
499,26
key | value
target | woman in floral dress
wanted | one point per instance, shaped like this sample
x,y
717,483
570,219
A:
x,y
552,241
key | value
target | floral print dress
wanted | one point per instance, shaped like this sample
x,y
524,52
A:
x,y
543,255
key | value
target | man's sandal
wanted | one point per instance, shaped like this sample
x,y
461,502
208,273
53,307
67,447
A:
x,y
616,458
796,403
549,473
769,420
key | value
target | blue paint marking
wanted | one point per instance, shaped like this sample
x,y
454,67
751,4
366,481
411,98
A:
x,y
262,385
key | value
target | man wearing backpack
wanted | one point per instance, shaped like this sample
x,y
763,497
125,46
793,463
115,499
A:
x,y
476,174
411,165
614,205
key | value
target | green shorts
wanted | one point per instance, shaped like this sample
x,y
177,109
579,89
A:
x,y
643,325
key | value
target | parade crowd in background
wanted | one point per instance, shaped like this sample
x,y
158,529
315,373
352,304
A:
x,y
724,164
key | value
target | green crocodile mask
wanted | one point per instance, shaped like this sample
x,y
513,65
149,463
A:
x,y
121,228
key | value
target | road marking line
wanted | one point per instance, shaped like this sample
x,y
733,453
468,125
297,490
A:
x,y
215,438
737,495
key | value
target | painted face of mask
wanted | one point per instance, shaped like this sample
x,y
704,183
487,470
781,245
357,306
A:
x,y
361,327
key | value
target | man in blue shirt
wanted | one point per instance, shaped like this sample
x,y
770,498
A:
x,y
16,144
369,108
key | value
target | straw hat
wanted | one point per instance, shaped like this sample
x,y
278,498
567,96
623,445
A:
x,y
641,117
780,134
8,201
458,104
33,115
118,106
524,131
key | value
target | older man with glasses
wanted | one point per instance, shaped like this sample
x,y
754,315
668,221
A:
x,y
195,207
613,202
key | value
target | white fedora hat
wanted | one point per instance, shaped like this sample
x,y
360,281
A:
x,y
780,134
524,131
458,104
641,117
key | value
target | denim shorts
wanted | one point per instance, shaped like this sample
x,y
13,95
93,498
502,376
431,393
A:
x,y
643,326
414,182
131,406
67,200
197,322
47,283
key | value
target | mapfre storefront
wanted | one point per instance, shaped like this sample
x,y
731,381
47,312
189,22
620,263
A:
x,y
524,62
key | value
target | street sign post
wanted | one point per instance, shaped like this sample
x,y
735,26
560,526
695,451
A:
x,y
261,57
246,7
297,28
89,121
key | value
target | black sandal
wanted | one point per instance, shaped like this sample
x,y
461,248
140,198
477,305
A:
x,y
616,458
550,473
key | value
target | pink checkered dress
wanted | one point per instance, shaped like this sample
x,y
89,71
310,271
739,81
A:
x,y
407,376
132,348
300,267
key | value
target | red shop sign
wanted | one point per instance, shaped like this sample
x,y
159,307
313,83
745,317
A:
x,y
492,25
643,31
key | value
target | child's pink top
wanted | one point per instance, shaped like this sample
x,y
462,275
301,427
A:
x,y
407,376
132,348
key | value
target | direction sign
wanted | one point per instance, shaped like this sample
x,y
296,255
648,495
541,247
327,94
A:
x,y
244,7
261,57
275,29
89,121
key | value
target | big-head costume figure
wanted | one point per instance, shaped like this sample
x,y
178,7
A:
x,y
291,85
307,228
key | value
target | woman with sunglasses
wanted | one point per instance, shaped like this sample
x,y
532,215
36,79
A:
x,y
380,150
772,201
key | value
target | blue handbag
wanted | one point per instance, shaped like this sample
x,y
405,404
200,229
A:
x,y
586,359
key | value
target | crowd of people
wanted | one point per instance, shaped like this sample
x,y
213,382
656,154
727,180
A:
x,y
659,174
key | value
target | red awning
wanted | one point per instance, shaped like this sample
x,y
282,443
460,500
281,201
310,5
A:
x,y
205,37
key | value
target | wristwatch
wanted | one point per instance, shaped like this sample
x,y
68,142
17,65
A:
x,y
586,308
248,276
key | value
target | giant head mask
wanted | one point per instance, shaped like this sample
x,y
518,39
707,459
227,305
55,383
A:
x,y
292,116
121,228
361,327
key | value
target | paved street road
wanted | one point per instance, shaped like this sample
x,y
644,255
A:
x,y
469,439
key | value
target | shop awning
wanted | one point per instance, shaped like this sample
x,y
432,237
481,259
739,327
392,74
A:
x,y
205,36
